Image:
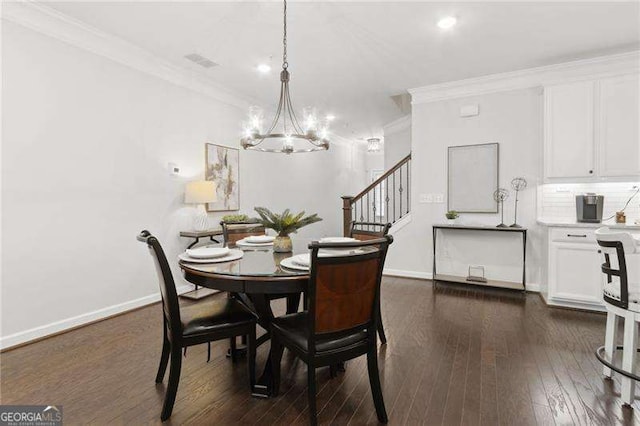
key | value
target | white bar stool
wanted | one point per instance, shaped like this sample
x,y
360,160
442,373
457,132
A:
x,y
622,300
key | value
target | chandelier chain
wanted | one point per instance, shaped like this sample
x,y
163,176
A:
x,y
285,64
285,119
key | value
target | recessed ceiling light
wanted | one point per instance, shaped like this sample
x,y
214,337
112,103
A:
x,y
447,22
331,117
264,68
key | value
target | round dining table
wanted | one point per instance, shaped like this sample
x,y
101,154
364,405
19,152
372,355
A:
x,y
256,279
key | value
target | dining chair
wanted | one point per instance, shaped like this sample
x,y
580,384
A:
x,y
203,322
365,231
233,232
622,300
341,322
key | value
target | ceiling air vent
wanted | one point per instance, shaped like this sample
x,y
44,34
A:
x,y
200,60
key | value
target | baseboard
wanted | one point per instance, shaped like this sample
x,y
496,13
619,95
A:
x,y
38,333
575,304
533,287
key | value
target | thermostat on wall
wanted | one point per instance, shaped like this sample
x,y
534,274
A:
x,y
174,170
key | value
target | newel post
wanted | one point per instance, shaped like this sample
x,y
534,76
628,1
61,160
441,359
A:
x,y
346,214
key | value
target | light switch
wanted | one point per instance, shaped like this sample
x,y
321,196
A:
x,y
429,198
438,198
424,198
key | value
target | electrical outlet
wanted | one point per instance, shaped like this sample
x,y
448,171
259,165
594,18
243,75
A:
x,y
429,198
438,198
423,199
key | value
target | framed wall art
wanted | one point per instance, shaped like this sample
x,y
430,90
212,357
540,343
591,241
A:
x,y
473,178
222,165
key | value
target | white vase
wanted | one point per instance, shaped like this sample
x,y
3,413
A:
x,y
452,221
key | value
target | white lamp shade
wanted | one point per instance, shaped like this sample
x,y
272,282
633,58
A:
x,y
200,192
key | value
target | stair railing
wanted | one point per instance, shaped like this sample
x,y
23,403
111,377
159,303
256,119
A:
x,y
385,200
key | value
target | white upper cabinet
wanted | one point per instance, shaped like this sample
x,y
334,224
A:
x,y
568,141
591,129
618,135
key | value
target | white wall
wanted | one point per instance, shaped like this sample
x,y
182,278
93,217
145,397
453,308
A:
x,y
85,144
374,161
514,120
397,141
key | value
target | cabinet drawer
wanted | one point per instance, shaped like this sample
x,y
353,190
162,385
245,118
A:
x,y
573,235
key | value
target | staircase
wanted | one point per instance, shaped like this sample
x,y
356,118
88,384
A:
x,y
386,200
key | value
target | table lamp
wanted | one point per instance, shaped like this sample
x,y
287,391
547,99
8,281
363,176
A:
x,y
200,193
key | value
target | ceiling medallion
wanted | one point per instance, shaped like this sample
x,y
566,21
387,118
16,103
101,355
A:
x,y
285,134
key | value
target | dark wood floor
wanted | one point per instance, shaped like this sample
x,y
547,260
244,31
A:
x,y
455,356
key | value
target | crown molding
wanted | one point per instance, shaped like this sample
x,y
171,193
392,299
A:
x,y
52,23
600,67
402,123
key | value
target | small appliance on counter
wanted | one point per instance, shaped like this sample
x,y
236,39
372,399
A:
x,y
589,207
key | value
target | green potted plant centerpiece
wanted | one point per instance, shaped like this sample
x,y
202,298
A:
x,y
238,218
452,216
284,224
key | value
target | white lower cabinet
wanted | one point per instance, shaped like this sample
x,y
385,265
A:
x,y
574,275
572,271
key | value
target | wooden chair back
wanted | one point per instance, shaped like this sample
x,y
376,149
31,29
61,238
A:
x,y
344,291
365,231
236,231
170,306
613,246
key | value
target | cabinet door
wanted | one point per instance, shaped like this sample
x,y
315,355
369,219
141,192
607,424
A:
x,y
574,273
618,121
568,125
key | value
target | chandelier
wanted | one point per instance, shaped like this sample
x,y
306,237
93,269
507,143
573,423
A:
x,y
373,144
285,134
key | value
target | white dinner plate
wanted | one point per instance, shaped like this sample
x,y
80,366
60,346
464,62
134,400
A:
x,y
244,243
302,260
256,239
207,252
234,254
289,264
337,240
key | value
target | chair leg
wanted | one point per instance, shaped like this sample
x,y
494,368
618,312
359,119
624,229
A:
x,y
374,381
234,352
610,339
208,351
251,358
383,338
276,358
172,386
164,358
311,380
629,358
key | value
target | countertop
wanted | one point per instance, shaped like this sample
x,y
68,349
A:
x,y
573,224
